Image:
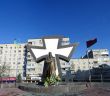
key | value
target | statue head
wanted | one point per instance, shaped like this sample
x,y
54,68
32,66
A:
x,y
50,55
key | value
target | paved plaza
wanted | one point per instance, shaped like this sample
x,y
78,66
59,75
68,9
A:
x,y
97,89
87,92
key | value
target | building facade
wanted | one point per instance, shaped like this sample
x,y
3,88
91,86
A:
x,y
82,64
102,55
13,57
90,65
18,60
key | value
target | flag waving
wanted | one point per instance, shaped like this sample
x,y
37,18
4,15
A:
x,y
91,42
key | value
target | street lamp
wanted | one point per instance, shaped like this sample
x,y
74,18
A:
x,y
101,72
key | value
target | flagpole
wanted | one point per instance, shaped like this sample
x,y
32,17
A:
x,y
89,44
88,66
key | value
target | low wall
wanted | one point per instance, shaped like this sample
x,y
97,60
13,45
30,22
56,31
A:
x,y
68,88
76,87
7,85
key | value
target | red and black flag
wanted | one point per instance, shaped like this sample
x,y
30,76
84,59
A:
x,y
91,42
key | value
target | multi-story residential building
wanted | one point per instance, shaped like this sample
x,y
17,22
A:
x,y
100,55
13,57
83,66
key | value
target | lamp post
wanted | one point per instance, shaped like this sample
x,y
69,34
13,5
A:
x,y
101,72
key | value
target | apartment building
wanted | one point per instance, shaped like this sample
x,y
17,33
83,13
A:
x,y
95,58
13,57
102,55
82,64
90,63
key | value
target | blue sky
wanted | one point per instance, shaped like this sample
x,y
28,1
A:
x,y
80,20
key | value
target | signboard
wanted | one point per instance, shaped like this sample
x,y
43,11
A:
x,y
8,79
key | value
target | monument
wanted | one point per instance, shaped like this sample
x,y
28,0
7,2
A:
x,y
51,52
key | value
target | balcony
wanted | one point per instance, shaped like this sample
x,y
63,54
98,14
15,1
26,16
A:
x,y
106,53
29,67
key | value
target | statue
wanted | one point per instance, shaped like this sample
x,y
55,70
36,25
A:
x,y
49,67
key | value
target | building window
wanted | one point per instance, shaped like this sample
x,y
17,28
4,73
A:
x,y
29,56
32,64
19,63
0,51
29,60
33,69
95,62
63,63
30,43
19,58
19,51
29,64
40,41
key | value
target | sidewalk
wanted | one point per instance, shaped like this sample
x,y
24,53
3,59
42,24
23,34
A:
x,y
94,91
13,92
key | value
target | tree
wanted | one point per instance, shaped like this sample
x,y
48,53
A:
x,y
19,79
3,69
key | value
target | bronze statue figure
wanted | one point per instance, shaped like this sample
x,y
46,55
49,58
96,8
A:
x,y
49,67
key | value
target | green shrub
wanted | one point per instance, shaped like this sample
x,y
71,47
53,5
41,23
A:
x,y
52,80
19,79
